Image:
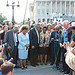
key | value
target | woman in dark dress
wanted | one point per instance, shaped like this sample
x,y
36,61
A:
x,y
5,28
44,44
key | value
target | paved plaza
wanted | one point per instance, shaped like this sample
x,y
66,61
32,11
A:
x,y
39,70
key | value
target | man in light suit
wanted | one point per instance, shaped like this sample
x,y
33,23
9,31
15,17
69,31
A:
x,y
34,36
11,40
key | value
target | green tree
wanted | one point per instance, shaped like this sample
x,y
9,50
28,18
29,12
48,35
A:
x,y
2,18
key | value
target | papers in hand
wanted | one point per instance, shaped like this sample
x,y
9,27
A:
x,y
25,48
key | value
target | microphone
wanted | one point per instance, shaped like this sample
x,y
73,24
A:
x,y
10,60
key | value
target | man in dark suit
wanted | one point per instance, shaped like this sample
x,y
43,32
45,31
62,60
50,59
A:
x,y
55,47
34,36
11,40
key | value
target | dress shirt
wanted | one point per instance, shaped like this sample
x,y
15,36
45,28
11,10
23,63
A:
x,y
37,34
15,38
65,35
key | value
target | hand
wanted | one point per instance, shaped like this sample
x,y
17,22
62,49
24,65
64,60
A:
x,y
65,54
72,43
61,45
52,39
9,48
65,44
45,46
27,46
2,49
73,51
42,43
32,47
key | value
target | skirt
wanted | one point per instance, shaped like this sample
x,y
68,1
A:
x,y
43,50
23,54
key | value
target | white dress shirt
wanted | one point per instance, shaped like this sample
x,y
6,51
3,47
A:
x,y
37,34
15,38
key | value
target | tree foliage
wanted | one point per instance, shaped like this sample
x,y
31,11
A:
x,y
2,18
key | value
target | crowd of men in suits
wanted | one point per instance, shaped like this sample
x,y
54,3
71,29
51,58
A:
x,y
58,33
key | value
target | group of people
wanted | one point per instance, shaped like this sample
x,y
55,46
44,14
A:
x,y
44,43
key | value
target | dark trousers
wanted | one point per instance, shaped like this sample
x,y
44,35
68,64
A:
x,y
49,53
15,55
58,58
71,72
34,56
57,53
65,66
52,53
12,54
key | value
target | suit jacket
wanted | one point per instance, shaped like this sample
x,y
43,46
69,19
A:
x,y
9,39
69,36
33,37
23,40
53,35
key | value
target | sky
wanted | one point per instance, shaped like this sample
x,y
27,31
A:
x,y
18,11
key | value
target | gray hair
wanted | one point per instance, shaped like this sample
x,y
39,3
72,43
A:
x,y
15,28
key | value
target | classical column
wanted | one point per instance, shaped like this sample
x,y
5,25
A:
x,y
35,12
65,7
60,7
74,8
51,7
56,6
69,7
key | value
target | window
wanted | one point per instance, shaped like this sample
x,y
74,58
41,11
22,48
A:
x,y
39,3
48,20
43,3
39,20
38,11
47,11
48,3
43,20
43,11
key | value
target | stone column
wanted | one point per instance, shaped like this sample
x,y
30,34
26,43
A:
x,y
60,7
51,7
35,12
56,6
74,8
70,7
65,7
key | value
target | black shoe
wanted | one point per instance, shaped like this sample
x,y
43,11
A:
x,y
41,64
25,67
58,68
66,72
17,67
22,68
62,70
45,63
51,64
37,64
33,65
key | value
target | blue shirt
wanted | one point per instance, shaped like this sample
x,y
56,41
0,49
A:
x,y
65,36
